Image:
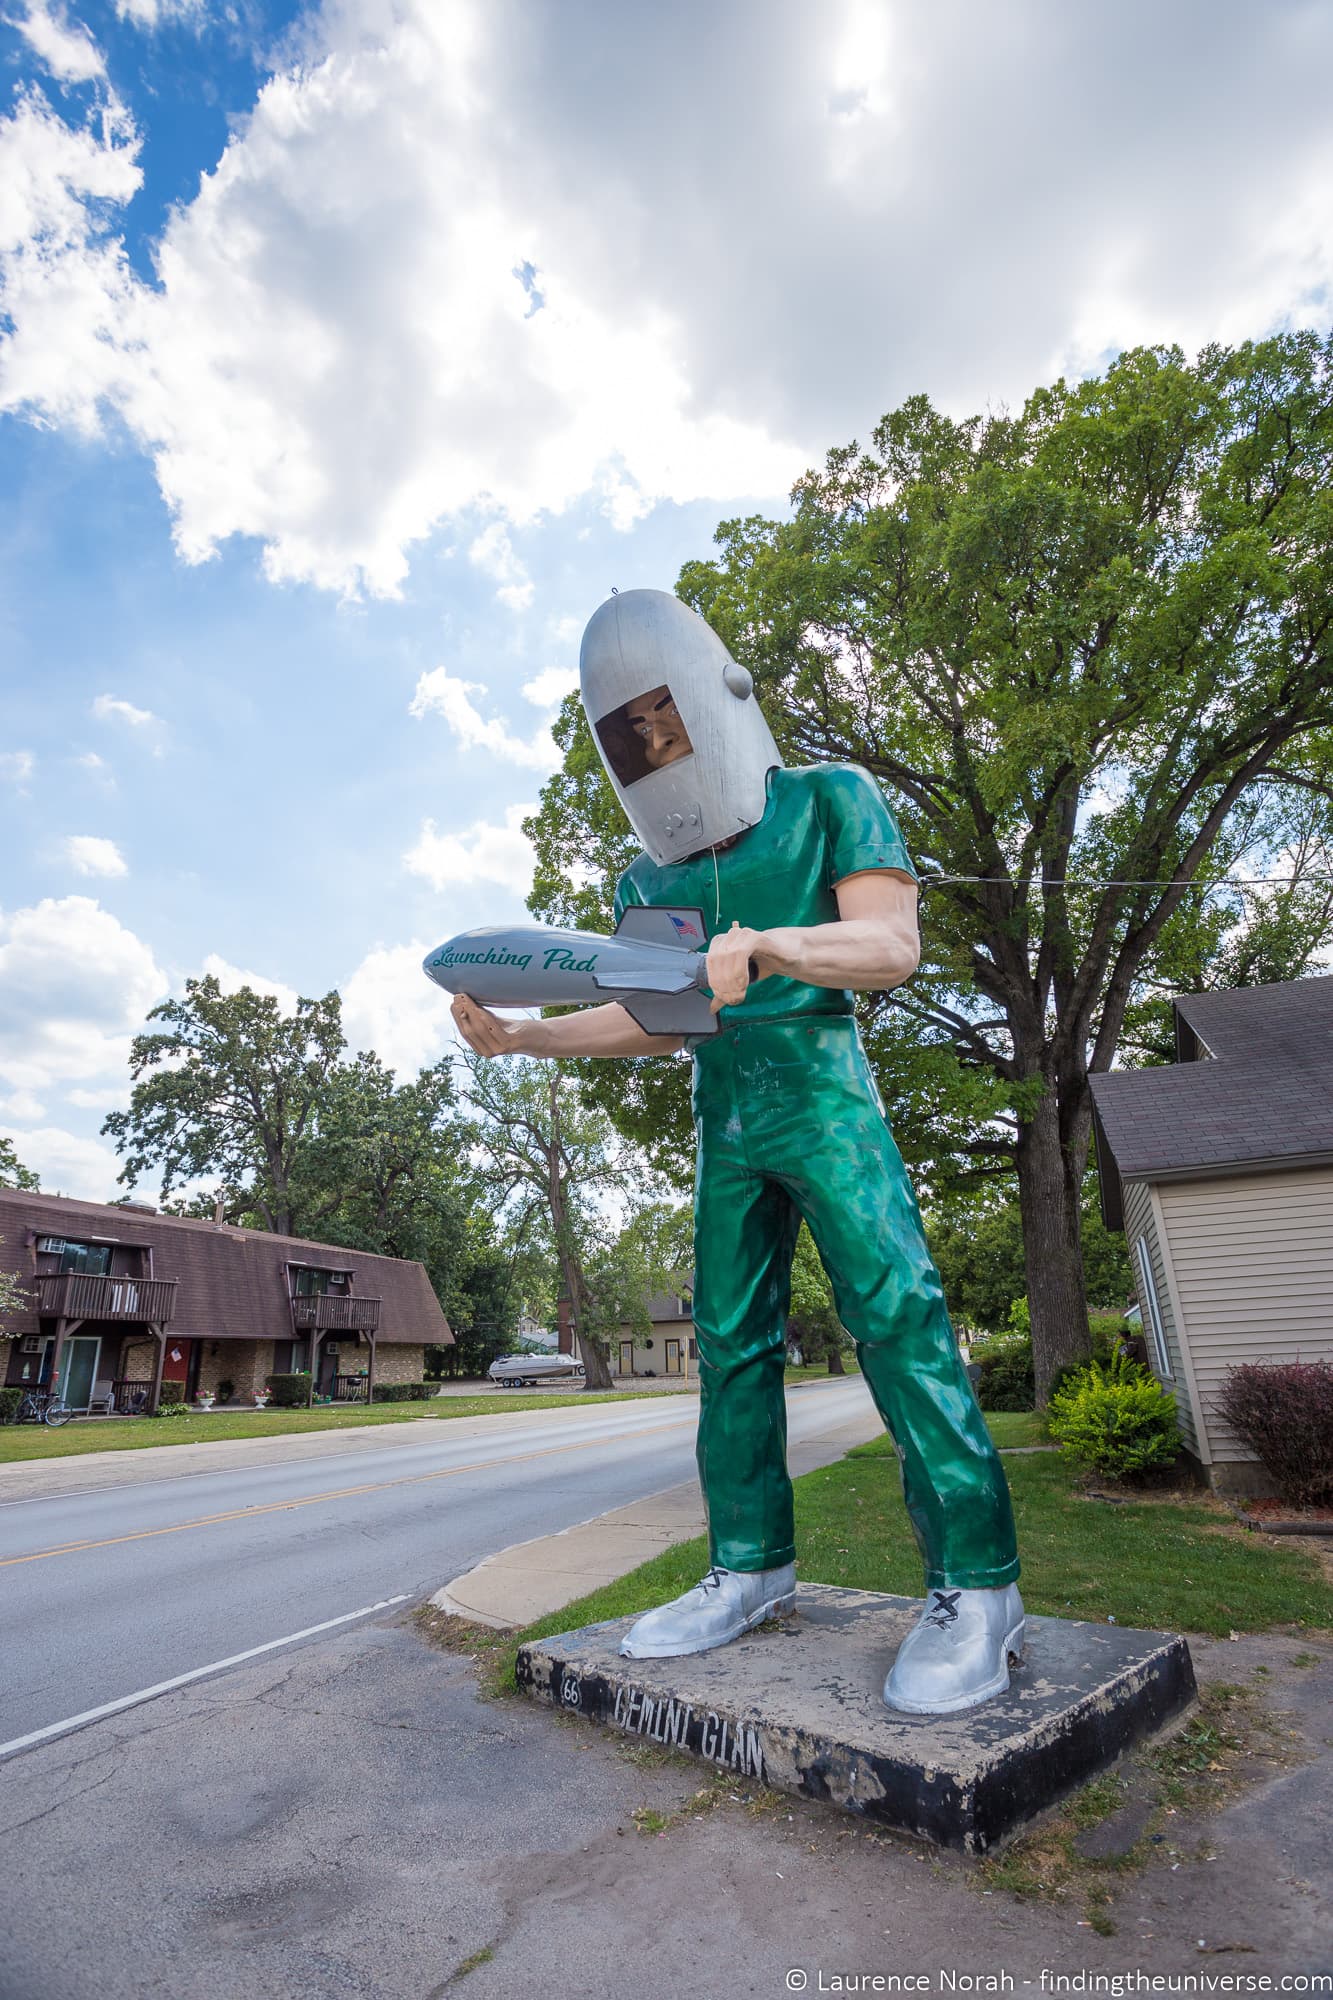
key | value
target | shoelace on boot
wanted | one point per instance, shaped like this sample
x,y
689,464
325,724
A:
x,y
944,1611
713,1580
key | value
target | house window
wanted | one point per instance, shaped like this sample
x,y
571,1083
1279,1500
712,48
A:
x,y
315,1284
89,1259
1160,1355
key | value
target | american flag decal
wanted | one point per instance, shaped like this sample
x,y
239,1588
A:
x,y
685,929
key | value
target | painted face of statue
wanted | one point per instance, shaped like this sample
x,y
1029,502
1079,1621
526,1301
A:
x,y
684,742
655,720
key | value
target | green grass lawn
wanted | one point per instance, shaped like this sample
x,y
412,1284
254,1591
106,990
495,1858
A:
x,y
28,1441
1180,1563
1014,1429
818,1371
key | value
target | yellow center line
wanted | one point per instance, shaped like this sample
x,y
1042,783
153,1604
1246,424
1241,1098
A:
x,y
342,1493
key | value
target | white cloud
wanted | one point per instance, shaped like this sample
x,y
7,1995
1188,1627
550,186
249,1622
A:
x,y
339,356
66,286
390,1006
231,978
441,693
108,708
549,688
90,761
152,13
75,984
493,554
17,766
65,1163
23,1107
66,49
90,854
803,216
481,853
96,1100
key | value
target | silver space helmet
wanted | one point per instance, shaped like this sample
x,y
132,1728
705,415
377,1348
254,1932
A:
x,y
683,739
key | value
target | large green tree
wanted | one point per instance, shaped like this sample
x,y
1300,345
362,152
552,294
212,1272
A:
x,y
13,1173
812,1323
563,1179
1081,644
227,1090
259,1104
978,1246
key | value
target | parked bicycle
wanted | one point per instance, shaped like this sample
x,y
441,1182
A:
x,y
41,1406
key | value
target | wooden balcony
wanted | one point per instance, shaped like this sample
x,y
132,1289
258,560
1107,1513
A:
x,y
73,1295
335,1315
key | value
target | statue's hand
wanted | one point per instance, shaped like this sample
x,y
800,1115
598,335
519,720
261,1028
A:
x,y
730,958
487,1034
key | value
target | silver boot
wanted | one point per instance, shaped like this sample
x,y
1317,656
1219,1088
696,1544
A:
x,y
958,1652
726,1603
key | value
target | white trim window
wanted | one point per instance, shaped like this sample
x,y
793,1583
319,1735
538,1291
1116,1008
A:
x,y
1160,1355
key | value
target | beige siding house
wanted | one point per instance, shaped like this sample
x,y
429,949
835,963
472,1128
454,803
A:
x,y
1219,1168
668,1348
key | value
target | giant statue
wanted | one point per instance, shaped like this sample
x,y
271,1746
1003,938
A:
x,y
808,895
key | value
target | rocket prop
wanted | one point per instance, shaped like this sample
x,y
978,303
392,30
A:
x,y
654,965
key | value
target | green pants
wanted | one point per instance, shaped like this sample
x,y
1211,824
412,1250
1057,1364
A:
x,y
790,1124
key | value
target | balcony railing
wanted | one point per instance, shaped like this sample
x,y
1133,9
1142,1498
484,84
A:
x,y
335,1315
129,1395
74,1295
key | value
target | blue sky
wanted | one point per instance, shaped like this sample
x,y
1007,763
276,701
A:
x,y
350,355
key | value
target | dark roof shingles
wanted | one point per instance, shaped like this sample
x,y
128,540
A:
x,y
231,1281
1268,1095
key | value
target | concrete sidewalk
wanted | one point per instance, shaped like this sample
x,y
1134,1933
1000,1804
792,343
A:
x,y
518,1585
349,1820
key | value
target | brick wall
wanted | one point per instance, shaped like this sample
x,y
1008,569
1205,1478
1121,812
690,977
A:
x,y
399,1361
247,1363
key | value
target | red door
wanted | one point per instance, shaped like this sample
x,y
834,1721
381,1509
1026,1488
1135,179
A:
x,y
176,1367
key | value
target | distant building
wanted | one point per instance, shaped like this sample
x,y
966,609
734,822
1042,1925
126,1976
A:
x,y
532,1332
122,1298
668,1348
1219,1168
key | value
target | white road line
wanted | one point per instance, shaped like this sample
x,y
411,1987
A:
x,y
183,1680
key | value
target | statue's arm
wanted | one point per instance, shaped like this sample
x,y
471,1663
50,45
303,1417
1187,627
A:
x,y
874,944
594,1031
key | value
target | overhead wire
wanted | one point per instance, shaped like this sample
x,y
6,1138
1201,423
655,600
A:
x,y
1128,882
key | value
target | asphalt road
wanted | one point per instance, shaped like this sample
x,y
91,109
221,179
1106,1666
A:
x,y
104,1593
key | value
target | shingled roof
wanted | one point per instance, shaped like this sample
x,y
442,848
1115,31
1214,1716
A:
x,y
1254,1089
232,1281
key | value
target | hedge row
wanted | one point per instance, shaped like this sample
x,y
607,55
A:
x,y
292,1392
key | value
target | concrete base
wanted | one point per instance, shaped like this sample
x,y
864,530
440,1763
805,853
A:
x,y
799,1706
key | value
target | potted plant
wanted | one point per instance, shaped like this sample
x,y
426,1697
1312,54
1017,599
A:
x,y
262,1397
205,1399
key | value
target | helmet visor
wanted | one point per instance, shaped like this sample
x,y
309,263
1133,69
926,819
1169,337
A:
x,y
644,735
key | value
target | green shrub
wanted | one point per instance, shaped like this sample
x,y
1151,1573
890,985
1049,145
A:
x,y
1116,1420
1108,1331
171,1399
9,1402
289,1392
403,1392
1007,1381
226,1389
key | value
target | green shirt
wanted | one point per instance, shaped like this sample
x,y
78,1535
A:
x,y
822,822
